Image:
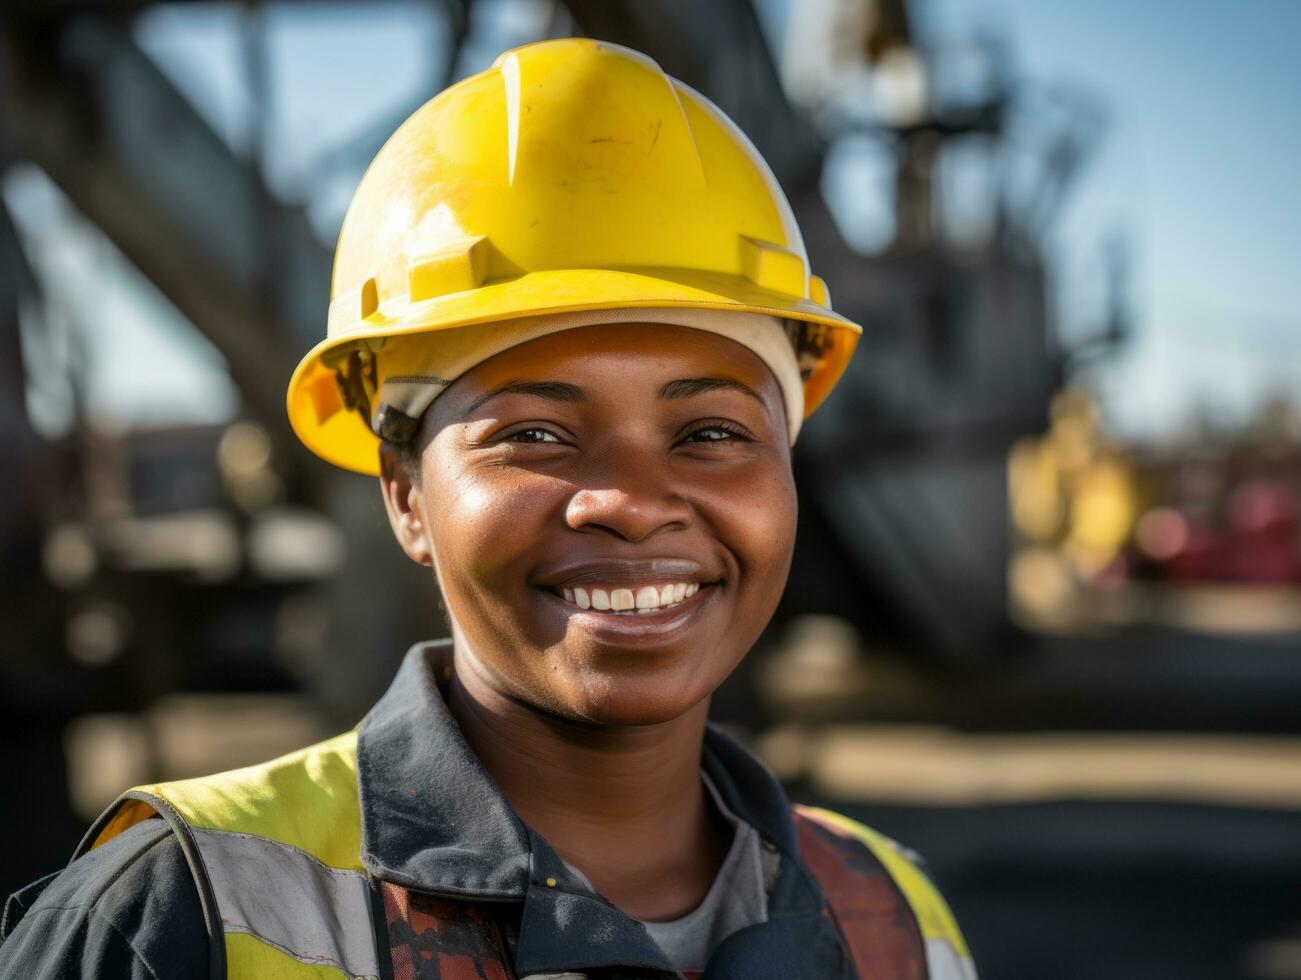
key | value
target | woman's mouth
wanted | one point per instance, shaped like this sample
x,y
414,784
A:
x,y
630,601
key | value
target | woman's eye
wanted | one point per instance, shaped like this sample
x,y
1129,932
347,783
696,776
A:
x,y
533,435
715,433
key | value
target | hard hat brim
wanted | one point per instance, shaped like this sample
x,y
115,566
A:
x,y
342,437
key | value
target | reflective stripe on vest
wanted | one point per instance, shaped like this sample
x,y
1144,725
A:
x,y
287,899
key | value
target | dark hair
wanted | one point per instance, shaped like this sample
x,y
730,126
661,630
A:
x,y
407,454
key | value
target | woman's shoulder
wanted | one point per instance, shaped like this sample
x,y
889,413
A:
x,y
267,800
129,908
130,905
860,868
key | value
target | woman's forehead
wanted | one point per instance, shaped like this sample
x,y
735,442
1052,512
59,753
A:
x,y
650,348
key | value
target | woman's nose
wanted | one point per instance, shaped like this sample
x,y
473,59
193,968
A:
x,y
631,500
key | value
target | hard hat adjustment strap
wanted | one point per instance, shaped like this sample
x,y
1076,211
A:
x,y
356,381
812,343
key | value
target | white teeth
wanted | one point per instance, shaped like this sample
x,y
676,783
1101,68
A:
x,y
644,599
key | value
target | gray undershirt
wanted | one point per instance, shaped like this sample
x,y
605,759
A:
x,y
736,899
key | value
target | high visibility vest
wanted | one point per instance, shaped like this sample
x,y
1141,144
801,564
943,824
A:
x,y
276,852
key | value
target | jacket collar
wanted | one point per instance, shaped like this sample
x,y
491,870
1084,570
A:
x,y
431,817
433,820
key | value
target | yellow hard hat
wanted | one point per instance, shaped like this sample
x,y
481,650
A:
x,y
572,175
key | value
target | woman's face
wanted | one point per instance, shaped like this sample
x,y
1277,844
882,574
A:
x,y
610,513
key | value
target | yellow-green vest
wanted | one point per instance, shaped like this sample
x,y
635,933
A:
x,y
276,851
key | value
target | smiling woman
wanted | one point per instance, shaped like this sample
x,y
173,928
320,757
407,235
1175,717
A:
x,y
575,336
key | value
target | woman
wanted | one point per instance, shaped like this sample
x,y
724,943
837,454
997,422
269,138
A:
x,y
574,334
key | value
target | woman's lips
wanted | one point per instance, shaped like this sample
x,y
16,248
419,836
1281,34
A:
x,y
628,626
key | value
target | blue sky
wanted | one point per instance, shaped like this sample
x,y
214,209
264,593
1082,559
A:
x,y
1196,174
1199,173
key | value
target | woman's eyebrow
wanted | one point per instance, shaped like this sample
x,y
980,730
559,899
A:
x,y
565,392
689,387
555,390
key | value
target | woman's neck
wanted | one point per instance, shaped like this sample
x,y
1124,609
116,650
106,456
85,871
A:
x,y
624,805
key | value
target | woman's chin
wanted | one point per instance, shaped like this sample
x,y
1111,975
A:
x,y
619,701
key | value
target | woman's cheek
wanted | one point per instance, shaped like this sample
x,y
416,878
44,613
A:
x,y
761,510
770,537
493,523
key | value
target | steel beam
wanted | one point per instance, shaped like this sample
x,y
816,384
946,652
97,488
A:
x,y
84,103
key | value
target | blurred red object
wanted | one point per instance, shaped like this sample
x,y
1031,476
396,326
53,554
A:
x,y
1203,557
1263,543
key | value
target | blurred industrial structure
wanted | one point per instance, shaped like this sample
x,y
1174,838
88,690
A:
x,y
193,596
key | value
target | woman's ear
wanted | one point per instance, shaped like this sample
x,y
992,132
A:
x,y
404,505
